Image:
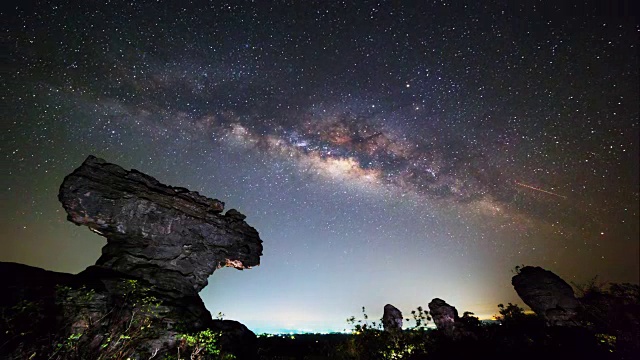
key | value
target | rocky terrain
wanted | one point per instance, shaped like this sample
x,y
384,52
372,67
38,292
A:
x,y
163,243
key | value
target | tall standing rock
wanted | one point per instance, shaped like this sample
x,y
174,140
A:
x,y
547,295
392,318
444,315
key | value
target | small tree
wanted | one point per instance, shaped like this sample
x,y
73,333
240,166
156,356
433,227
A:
x,y
420,318
511,313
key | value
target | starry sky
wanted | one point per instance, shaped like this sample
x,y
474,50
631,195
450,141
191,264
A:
x,y
387,152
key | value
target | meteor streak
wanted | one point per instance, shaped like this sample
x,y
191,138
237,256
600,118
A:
x,y
541,190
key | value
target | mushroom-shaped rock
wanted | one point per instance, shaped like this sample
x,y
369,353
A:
x,y
547,295
169,236
163,243
392,318
444,315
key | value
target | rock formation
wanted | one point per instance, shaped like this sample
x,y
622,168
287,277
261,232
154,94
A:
x,y
450,324
163,241
392,318
444,315
172,237
547,295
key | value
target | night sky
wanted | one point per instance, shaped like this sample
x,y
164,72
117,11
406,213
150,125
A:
x,y
387,152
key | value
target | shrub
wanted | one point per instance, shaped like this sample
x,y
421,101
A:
x,y
100,331
369,341
202,345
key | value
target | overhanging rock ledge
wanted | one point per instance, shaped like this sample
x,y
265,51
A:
x,y
172,237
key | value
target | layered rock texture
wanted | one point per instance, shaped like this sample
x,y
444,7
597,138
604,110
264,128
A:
x,y
547,295
163,239
170,236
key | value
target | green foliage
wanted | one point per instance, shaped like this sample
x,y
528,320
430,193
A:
x,y
202,345
99,326
79,297
68,346
607,341
118,331
370,341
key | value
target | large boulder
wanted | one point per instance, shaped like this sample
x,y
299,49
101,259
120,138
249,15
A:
x,y
547,295
163,243
391,318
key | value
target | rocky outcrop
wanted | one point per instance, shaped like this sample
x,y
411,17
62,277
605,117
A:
x,y
163,243
444,315
391,318
170,236
547,295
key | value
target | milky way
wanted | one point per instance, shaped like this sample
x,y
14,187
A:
x,y
386,153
